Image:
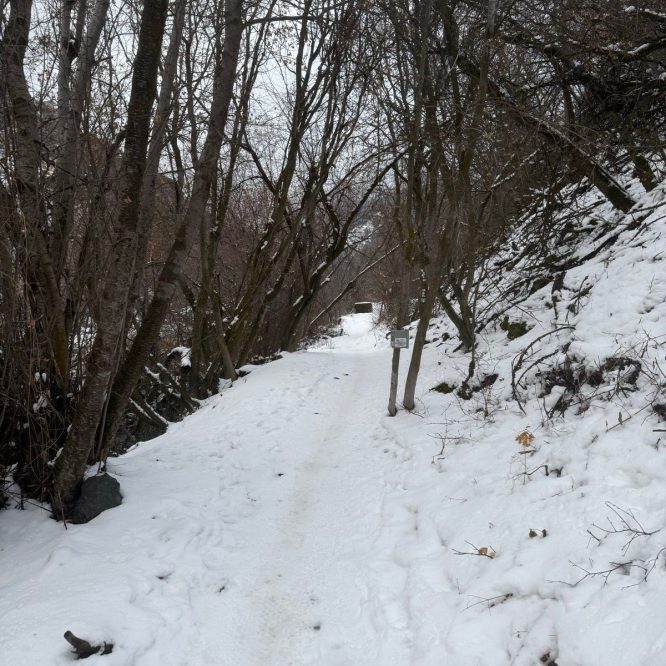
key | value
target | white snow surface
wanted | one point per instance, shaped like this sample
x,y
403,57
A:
x,y
290,521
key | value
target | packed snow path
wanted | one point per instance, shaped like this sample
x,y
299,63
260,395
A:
x,y
300,588
249,532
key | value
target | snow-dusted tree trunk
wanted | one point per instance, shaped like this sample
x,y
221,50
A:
x,y
456,178
216,353
425,312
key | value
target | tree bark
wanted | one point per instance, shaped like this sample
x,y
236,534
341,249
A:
x,y
73,94
71,464
26,151
425,312
151,325
157,142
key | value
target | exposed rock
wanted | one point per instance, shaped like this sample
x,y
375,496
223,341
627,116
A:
x,y
486,382
514,329
659,409
539,283
98,493
444,388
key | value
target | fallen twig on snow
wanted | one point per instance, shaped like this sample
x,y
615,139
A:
x,y
484,551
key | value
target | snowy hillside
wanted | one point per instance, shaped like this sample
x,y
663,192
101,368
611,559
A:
x,y
290,521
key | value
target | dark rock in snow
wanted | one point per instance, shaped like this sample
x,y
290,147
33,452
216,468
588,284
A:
x,y
444,387
98,493
539,283
514,329
486,382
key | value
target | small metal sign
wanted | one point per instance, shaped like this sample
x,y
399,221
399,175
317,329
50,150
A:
x,y
400,339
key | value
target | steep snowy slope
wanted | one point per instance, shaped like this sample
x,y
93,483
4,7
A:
x,y
565,489
291,522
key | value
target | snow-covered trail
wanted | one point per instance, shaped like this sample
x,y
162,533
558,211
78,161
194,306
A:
x,y
248,536
299,596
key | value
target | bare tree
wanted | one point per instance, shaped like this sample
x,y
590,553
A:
x,y
70,465
204,176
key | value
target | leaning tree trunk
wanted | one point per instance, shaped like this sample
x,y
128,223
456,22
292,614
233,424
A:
x,y
583,164
71,464
425,312
149,330
165,103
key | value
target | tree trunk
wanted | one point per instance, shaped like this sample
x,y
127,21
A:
x,y
158,140
583,164
463,320
73,93
425,312
71,464
401,320
642,167
149,330
393,390
26,155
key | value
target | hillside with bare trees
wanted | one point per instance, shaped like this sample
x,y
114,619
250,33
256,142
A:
x,y
187,187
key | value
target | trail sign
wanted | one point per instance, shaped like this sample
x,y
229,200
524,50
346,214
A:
x,y
400,339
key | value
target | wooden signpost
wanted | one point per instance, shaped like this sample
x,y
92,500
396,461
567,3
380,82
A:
x,y
399,340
